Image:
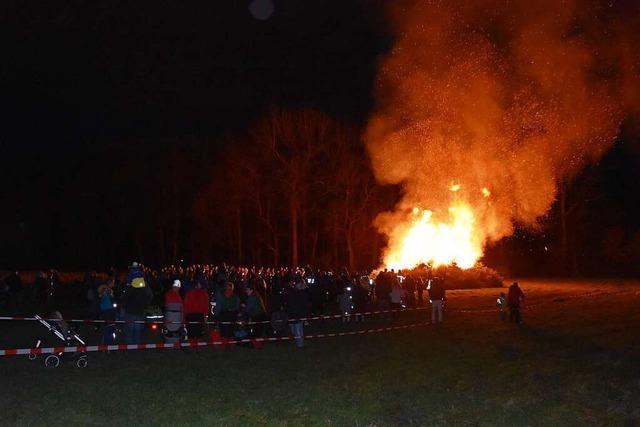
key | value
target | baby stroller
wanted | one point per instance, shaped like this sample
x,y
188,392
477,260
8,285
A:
x,y
174,330
68,336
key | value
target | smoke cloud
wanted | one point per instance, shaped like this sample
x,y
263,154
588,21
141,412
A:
x,y
501,98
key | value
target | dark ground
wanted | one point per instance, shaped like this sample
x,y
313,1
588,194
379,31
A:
x,y
573,363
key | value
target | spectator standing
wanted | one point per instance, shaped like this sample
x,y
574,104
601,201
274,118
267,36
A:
x,y
436,297
383,289
255,311
346,303
107,312
410,287
420,287
135,300
298,307
398,296
173,313
501,302
196,307
227,308
515,300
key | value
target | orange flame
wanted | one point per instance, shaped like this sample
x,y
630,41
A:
x,y
423,240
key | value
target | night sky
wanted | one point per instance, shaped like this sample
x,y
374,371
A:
x,y
91,90
82,72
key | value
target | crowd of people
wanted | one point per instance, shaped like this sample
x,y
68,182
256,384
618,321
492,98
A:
x,y
188,296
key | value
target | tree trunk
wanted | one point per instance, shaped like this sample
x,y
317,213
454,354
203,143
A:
x,y
336,240
314,246
239,254
276,249
293,214
350,254
161,246
176,234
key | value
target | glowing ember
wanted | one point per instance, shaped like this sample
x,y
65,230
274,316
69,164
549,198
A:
x,y
486,192
424,240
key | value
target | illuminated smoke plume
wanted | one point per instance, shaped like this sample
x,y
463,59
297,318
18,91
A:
x,y
484,106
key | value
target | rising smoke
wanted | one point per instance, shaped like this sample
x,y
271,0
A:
x,y
501,98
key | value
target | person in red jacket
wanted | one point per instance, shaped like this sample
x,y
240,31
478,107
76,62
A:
x,y
196,307
514,300
173,313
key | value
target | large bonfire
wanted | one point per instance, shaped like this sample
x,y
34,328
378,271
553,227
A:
x,y
482,109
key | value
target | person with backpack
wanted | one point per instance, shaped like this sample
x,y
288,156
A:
x,y
135,300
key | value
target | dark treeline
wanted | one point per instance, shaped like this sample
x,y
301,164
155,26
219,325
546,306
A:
x,y
295,188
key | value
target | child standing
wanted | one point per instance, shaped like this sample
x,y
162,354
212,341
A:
x,y
501,302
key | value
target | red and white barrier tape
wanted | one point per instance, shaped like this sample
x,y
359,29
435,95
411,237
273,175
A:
x,y
189,344
161,322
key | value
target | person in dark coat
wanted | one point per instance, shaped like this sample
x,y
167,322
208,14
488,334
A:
x,y
514,300
297,306
135,300
227,308
436,296
107,313
383,289
420,287
254,310
409,285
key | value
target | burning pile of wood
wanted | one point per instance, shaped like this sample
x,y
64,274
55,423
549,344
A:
x,y
455,277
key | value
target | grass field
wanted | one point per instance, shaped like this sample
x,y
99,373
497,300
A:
x,y
575,362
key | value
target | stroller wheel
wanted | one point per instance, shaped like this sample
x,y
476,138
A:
x,y
82,362
52,361
32,356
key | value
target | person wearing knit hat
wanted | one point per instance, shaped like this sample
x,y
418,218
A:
x,y
135,278
134,302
